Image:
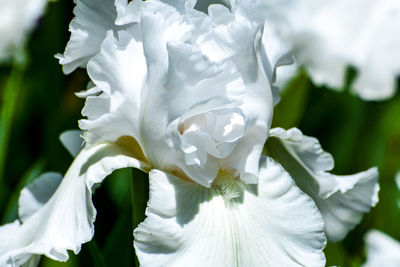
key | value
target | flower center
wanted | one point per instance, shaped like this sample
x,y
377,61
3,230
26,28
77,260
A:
x,y
214,133
229,186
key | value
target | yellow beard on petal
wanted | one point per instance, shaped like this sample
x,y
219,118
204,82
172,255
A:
x,y
229,186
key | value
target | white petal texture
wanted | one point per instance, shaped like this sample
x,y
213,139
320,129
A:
x,y
188,110
17,18
382,250
51,223
231,223
342,200
88,29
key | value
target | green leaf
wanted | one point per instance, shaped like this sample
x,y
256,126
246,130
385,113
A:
x,y
97,257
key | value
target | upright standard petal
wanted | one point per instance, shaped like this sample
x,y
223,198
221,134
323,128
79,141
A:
x,y
235,32
233,37
231,223
382,250
64,221
188,111
342,200
88,29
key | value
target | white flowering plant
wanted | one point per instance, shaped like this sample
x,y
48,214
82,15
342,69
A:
x,y
207,110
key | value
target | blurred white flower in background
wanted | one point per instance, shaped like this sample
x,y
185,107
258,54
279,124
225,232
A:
x,y
17,19
326,37
382,250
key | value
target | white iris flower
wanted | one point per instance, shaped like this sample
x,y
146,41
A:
x,y
328,36
17,18
186,97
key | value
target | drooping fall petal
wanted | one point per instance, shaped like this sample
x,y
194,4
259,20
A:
x,y
342,200
60,218
230,224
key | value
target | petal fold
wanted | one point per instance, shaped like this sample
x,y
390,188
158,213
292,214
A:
x,y
342,200
88,29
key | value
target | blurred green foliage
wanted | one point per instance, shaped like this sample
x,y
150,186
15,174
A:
x,y
38,103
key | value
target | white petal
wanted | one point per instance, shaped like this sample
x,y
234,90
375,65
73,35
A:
x,y
342,200
127,14
181,5
118,71
72,140
382,250
275,54
206,87
32,262
65,221
88,29
91,90
230,224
